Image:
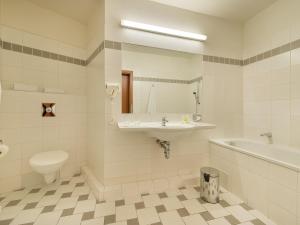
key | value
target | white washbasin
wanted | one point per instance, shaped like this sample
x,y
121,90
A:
x,y
167,133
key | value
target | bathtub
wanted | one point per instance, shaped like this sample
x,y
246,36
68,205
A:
x,y
265,176
280,155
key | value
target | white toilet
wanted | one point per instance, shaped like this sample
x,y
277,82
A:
x,y
48,164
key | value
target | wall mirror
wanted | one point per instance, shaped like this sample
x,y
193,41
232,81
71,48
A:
x,y
160,81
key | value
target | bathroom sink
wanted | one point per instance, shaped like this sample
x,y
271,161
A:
x,y
171,131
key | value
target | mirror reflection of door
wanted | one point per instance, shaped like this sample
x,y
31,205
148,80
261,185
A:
x,y
127,91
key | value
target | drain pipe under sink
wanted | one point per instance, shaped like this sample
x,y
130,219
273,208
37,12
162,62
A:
x,y
165,145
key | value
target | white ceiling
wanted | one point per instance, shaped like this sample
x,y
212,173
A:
x,y
79,10
236,10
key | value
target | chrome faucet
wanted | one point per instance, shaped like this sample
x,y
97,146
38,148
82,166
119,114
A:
x,y
197,117
269,135
164,121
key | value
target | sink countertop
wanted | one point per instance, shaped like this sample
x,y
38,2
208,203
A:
x,y
176,125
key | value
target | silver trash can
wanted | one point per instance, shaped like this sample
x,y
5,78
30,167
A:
x,y
209,191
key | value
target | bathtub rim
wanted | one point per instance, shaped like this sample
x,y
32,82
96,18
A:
x,y
222,142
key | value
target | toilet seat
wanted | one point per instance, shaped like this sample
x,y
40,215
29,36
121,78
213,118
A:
x,y
48,163
49,158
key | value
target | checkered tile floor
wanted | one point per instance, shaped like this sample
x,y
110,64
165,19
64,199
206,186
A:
x,y
71,202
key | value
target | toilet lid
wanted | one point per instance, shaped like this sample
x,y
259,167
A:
x,y
48,158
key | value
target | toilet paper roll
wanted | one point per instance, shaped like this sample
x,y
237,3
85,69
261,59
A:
x,y
3,150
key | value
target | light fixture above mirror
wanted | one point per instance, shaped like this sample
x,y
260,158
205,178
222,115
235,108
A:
x,y
162,30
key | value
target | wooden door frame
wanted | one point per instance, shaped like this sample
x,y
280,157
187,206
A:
x,y
130,74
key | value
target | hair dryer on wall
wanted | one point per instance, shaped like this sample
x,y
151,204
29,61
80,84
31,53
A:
x,y
112,91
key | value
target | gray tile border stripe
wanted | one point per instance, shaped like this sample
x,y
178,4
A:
x,y
6,45
273,52
222,60
109,44
259,57
17,48
99,49
41,53
295,44
152,79
164,80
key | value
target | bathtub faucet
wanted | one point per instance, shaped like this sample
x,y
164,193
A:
x,y
269,135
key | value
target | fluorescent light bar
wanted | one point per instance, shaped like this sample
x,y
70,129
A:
x,y
162,30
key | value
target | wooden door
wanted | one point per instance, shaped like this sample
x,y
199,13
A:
x,y
127,91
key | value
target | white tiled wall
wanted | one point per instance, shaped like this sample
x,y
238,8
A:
x,y
26,132
222,102
96,94
96,115
31,17
38,71
132,157
272,189
22,127
271,98
119,157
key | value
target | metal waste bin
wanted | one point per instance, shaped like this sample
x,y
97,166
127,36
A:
x,y
209,191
